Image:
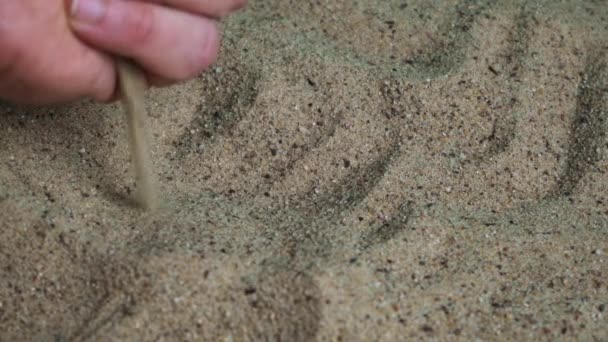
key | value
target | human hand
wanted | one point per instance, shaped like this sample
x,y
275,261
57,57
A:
x,y
55,50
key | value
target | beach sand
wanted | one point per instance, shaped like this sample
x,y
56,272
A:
x,y
348,171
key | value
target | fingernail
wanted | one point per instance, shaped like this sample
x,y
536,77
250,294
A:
x,y
88,11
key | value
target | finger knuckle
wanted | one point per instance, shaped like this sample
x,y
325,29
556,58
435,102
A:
x,y
202,55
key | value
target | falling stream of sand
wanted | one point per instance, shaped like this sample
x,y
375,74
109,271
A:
x,y
133,86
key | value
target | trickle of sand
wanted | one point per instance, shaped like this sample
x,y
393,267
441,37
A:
x,y
132,87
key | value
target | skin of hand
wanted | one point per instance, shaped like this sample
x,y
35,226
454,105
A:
x,y
54,51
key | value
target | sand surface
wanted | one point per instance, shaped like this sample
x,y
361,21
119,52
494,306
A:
x,y
348,171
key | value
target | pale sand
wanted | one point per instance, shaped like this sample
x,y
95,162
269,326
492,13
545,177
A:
x,y
348,171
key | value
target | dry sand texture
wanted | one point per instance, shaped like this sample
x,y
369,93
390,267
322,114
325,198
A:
x,y
350,170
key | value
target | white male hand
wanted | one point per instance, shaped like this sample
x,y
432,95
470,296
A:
x,y
55,51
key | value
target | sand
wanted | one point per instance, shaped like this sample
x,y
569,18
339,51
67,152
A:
x,y
348,171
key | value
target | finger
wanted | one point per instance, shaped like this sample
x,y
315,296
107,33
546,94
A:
x,y
88,78
60,70
166,42
210,8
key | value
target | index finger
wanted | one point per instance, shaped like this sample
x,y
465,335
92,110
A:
x,y
209,8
